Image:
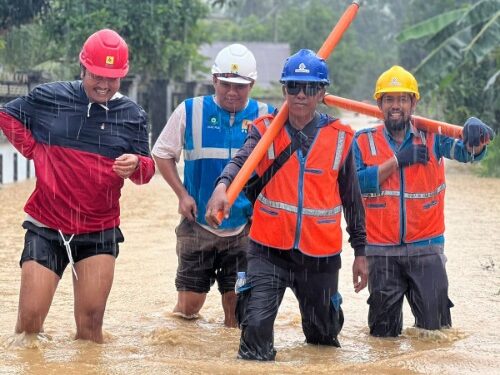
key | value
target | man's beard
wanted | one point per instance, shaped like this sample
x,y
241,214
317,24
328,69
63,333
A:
x,y
396,125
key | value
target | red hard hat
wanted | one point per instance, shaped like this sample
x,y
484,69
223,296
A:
x,y
105,54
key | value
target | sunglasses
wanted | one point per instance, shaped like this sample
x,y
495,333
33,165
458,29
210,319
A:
x,y
309,88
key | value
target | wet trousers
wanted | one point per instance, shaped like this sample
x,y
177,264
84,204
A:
x,y
421,278
316,292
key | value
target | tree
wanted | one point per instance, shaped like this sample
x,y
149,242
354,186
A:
x,y
162,35
17,12
461,66
462,60
306,24
163,38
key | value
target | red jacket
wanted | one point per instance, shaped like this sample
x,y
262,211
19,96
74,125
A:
x,y
73,146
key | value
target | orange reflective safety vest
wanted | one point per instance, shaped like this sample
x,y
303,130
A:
x,y
410,204
300,207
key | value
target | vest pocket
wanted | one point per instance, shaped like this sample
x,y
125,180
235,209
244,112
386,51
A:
x,y
376,205
326,221
269,211
430,204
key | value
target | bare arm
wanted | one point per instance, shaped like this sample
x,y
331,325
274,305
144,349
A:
x,y
168,169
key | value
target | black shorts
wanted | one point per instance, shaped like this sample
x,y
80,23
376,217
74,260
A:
x,y
204,257
45,246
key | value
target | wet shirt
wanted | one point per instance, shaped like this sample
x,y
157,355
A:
x,y
347,180
444,147
73,144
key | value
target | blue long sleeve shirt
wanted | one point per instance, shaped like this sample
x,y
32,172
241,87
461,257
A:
x,y
444,147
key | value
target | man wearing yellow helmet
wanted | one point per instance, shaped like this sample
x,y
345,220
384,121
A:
x,y
402,180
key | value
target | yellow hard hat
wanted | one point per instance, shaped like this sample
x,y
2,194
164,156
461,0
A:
x,y
396,79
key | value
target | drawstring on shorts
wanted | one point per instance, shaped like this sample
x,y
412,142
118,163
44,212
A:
x,y
68,251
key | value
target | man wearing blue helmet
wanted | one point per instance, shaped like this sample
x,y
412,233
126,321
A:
x,y
295,236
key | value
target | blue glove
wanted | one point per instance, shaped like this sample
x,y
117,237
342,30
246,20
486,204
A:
x,y
476,132
412,154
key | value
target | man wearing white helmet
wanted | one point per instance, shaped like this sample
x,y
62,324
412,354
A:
x,y
209,130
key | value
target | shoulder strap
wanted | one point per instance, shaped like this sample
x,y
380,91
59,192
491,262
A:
x,y
280,160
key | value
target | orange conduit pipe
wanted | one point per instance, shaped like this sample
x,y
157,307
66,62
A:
x,y
260,149
421,123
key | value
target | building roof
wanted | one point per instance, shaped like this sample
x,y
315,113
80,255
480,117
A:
x,y
270,58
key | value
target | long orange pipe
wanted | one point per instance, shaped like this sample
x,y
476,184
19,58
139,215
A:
x,y
260,149
422,123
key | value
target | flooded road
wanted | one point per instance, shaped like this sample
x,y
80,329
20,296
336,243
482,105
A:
x,y
143,337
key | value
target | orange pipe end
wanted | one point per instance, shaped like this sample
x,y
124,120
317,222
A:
x,y
421,123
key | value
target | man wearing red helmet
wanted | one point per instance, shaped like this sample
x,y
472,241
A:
x,y
85,139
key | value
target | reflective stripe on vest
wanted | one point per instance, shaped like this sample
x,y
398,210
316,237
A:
x,y
395,193
200,152
209,142
394,215
295,209
371,141
270,151
340,149
301,206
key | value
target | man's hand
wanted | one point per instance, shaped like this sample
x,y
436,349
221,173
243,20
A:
x,y
218,202
476,134
359,273
125,165
187,207
412,154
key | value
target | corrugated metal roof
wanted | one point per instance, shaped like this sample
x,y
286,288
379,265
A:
x,y
270,58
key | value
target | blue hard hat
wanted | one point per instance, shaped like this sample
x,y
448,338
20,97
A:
x,y
306,66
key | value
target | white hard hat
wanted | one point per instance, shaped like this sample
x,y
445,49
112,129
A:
x,y
236,64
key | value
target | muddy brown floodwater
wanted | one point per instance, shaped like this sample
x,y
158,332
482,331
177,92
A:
x,y
143,337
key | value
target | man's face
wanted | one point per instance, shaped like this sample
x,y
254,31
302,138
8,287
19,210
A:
x,y
232,97
397,108
99,89
302,97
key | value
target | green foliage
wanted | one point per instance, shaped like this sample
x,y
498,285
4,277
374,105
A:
x,y
476,33
467,94
461,66
306,24
163,36
431,26
23,50
250,29
17,12
490,166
